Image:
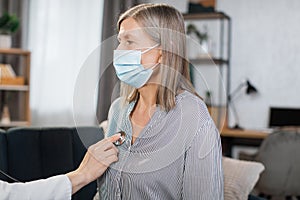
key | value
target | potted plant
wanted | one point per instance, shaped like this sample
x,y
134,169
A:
x,y
202,38
9,24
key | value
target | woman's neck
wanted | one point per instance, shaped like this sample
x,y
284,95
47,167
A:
x,y
147,97
143,110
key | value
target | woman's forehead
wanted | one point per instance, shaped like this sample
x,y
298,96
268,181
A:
x,y
129,24
130,28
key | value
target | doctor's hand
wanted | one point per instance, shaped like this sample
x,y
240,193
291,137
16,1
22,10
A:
x,y
96,160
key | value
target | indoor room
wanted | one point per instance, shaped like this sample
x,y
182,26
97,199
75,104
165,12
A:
x,y
94,96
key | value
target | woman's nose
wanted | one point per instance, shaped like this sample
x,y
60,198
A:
x,y
121,47
118,47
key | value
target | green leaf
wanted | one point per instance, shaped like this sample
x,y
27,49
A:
x,y
9,23
4,19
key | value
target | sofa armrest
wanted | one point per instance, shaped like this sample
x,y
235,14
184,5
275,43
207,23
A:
x,y
3,154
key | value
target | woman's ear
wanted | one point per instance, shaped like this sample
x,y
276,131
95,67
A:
x,y
160,56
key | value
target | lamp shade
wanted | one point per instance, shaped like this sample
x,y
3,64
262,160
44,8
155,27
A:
x,y
250,88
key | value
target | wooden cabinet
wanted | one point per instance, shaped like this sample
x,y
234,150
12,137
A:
x,y
15,93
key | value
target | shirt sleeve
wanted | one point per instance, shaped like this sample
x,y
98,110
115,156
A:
x,y
54,188
203,174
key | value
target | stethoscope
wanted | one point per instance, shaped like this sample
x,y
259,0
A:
x,y
8,176
121,140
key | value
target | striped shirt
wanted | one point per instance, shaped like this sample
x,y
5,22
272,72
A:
x,y
176,156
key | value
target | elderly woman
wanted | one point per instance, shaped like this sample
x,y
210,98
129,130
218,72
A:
x,y
172,148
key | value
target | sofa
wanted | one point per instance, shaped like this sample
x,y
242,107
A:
x,y
34,153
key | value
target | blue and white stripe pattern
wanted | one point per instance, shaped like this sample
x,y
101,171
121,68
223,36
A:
x,y
176,156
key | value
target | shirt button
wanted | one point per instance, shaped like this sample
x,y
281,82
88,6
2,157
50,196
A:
x,y
118,194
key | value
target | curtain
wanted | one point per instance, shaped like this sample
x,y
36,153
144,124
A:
x,y
62,35
108,82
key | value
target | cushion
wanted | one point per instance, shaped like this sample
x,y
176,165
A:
x,y
240,177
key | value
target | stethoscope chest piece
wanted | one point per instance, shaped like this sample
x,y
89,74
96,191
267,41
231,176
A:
x,y
121,140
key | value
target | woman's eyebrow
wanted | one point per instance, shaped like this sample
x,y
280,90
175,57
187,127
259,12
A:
x,y
127,35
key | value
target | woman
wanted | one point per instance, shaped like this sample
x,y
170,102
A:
x,y
172,148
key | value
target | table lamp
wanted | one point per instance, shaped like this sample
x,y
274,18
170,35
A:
x,y
250,89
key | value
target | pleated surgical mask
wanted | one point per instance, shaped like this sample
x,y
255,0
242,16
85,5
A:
x,y
129,69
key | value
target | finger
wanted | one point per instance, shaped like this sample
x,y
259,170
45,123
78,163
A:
x,y
114,137
104,143
101,145
109,153
102,155
111,159
106,146
108,161
103,151
113,147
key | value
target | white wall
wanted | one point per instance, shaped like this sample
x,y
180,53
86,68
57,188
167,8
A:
x,y
265,49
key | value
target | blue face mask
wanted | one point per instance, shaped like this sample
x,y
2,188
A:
x,y
129,69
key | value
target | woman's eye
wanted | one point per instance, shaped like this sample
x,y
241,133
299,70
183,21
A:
x,y
128,42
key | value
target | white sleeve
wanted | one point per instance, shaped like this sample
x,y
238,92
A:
x,y
54,188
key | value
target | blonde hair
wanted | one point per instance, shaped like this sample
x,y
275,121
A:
x,y
165,25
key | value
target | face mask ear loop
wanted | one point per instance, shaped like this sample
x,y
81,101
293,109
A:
x,y
150,48
154,66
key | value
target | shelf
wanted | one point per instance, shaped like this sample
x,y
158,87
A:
x,y
217,61
222,61
205,16
14,51
17,88
15,123
14,87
